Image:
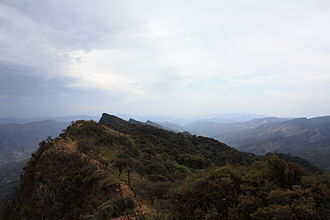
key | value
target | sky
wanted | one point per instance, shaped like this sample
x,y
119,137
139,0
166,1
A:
x,y
152,57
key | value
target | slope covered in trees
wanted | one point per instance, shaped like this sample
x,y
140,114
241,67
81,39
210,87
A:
x,y
306,138
116,168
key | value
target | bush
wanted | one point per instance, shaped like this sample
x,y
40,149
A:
x,y
122,206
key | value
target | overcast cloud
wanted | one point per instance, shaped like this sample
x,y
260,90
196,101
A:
x,y
69,57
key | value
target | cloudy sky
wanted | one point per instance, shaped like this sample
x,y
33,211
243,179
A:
x,y
69,57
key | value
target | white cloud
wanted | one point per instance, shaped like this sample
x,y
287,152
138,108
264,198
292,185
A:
x,y
269,53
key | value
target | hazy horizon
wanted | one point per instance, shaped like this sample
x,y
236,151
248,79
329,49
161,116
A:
x,y
182,120
164,58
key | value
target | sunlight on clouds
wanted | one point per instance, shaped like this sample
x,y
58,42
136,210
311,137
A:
x,y
92,70
210,55
173,59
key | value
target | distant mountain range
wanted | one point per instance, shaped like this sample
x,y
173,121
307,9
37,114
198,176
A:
x,y
184,120
307,138
18,141
13,120
219,130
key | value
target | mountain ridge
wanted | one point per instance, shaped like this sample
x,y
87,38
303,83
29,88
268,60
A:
x,y
307,138
127,170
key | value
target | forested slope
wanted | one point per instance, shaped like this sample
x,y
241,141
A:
x,y
115,168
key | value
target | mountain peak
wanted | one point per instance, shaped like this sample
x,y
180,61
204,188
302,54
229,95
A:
x,y
133,121
111,119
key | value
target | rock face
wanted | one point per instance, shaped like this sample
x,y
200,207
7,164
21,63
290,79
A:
x,y
113,120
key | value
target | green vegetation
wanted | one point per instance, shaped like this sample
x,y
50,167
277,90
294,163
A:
x,y
114,168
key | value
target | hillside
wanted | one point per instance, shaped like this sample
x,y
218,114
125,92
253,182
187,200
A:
x,y
220,131
307,138
18,141
117,169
